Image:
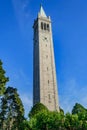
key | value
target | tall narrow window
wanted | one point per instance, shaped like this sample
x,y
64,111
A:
x,y
48,81
46,56
49,98
48,27
42,25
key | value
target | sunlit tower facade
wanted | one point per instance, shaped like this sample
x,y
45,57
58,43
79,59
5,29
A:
x,y
44,72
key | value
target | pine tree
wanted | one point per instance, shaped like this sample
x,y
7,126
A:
x,y
3,79
12,111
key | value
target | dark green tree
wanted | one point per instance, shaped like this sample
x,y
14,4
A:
x,y
25,125
78,108
46,120
61,110
82,115
12,111
36,109
72,122
3,79
84,125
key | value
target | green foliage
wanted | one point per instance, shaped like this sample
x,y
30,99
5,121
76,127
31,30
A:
x,y
71,122
61,110
78,108
33,123
47,120
3,79
25,125
82,115
37,108
12,111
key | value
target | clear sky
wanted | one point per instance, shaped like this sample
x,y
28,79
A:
x,y
69,24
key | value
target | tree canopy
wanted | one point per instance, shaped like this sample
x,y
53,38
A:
x,y
3,79
37,108
12,111
78,108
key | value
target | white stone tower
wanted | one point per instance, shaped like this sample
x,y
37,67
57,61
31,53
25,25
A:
x,y
44,74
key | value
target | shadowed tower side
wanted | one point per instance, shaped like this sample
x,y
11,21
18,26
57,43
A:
x,y
44,74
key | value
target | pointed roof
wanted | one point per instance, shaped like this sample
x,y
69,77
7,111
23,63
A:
x,y
42,12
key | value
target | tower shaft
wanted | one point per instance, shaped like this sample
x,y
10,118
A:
x,y
44,73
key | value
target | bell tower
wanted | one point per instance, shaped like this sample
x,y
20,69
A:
x,y
44,73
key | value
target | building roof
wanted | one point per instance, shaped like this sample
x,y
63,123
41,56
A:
x,y
42,12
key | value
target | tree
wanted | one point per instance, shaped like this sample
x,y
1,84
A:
x,y
47,120
3,79
61,110
78,108
12,111
25,125
56,121
82,115
37,108
67,121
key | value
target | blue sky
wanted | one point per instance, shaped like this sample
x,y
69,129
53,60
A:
x,y
69,25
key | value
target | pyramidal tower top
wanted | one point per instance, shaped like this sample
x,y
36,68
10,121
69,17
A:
x,y
42,12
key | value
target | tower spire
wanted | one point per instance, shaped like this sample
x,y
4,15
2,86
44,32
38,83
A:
x,y
42,12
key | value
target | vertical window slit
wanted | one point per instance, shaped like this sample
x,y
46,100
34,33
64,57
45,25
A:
x,y
48,27
42,25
